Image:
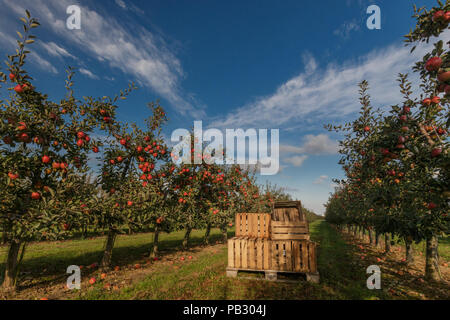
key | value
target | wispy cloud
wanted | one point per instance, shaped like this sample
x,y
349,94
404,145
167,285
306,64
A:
x,y
128,6
296,161
321,179
137,52
37,59
55,50
88,73
330,92
313,144
346,28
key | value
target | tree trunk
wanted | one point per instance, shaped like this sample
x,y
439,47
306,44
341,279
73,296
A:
x,y
432,271
4,240
409,252
9,281
187,235
224,231
355,230
371,239
85,233
207,233
107,254
387,242
377,238
154,252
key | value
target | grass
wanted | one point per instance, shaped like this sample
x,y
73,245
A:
x,y
45,262
204,278
342,272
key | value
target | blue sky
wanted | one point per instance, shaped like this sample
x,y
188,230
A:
x,y
288,65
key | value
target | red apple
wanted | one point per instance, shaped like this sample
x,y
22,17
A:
x,y
444,76
439,16
431,205
35,195
18,88
436,152
433,64
426,101
81,135
12,76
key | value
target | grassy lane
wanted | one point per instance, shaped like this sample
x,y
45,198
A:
x,y
45,263
204,277
342,265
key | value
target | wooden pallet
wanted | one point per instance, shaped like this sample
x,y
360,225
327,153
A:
x,y
266,254
272,275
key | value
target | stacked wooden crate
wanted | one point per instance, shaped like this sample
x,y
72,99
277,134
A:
x,y
273,243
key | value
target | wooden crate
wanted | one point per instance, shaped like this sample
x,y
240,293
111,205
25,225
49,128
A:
x,y
275,255
287,230
289,221
253,225
288,211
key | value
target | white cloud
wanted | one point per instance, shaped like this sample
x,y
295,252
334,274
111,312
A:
x,y
136,51
88,73
330,92
346,28
321,179
121,4
297,161
55,50
313,144
42,63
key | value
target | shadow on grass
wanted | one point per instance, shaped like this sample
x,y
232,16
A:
x,y
341,277
48,269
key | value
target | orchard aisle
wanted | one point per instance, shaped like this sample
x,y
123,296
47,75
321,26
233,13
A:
x,y
200,273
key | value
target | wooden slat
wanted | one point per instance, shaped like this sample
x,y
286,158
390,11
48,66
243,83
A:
x,y
244,253
254,225
282,255
251,245
289,256
274,261
289,229
288,224
267,254
296,255
259,254
231,253
238,225
305,257
238,254
285,236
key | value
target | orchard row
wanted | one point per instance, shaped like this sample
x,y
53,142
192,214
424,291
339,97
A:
x,y
397,164
49,188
